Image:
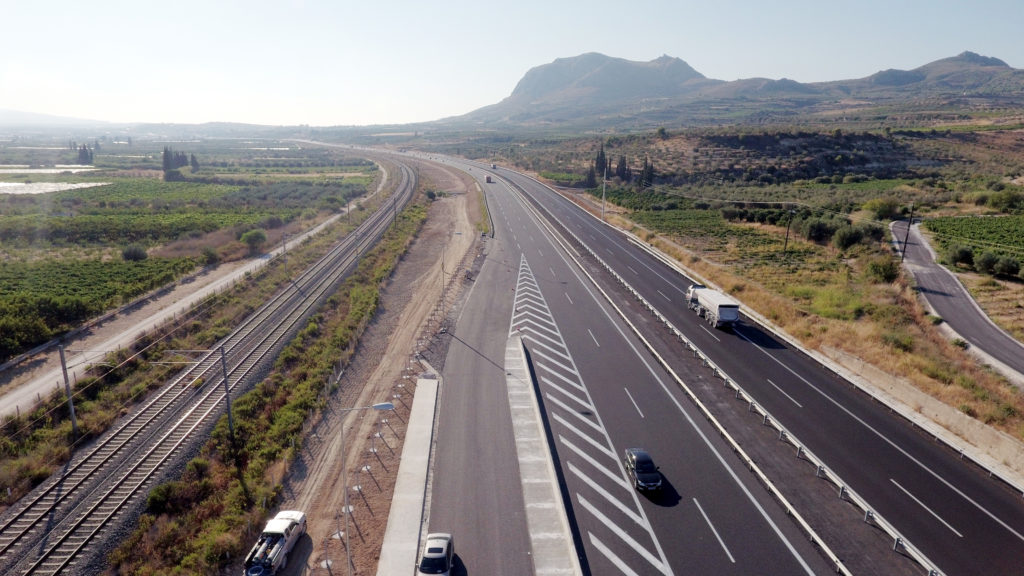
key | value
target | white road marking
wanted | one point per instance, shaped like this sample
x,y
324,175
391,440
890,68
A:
x,y
585,436
621,534
710,333
663,294
615,478
929,510
631,269
784,394
715,532
569,298
634,402
574,411
607,495
598,344
622,566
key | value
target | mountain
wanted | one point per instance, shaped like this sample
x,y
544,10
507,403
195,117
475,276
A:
x,y
593,90
18,118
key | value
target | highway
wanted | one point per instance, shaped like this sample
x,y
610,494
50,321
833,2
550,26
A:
x,y
601,393
963,520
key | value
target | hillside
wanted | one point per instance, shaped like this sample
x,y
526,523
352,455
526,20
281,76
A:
x,y
594,91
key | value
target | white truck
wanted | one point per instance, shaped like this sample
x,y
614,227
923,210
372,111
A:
x,y
717,308
270,554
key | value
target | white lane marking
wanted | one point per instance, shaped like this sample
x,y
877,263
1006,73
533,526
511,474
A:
x,y
622,566
888,441
710,333
621,534
634,402
548,361
615,478
607,495
539,251
598,344
553,275
784,394
715,532
666,296
574,411
929,510
635,273
569,298
574,383
585,436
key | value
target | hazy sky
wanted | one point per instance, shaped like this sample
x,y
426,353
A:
x,y
338,62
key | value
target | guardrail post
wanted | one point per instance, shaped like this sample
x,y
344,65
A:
x,y
842,492
799,452
819,470
869,516
750,407
737,392
764,421
897,544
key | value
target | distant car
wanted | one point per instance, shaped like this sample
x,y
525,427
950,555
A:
x,y
641,469
437,554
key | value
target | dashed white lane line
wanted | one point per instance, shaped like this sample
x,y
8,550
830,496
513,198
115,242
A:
x,y
594,337
929,510
783,392
634,402
715,532
884,438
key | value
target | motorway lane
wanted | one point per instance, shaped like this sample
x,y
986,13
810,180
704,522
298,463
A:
x,y
879,455
954,304
475,489
708,521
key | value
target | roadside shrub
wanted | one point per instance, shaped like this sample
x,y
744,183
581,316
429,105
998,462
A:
x,y
210,256
899,340
1007,266
960,254
986,262
882,270
134,253
883,208
846,237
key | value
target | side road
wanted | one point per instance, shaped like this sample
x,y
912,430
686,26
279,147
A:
x,y
949,300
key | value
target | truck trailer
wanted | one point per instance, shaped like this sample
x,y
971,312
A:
x,y
270,553
717,308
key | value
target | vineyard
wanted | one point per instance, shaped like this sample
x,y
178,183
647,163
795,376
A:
x,y
999,234
63,254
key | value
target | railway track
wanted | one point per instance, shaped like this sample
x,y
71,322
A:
x,y
62,522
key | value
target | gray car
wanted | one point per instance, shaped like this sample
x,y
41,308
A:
x,y
641,469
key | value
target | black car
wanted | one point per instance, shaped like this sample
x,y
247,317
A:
x,y
641,469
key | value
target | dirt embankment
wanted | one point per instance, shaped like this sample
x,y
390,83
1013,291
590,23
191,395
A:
x,y
384,369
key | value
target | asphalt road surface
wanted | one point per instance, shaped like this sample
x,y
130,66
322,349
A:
x,y
954,304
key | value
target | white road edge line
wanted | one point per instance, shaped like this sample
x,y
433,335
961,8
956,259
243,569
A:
x,y
929,510
715,532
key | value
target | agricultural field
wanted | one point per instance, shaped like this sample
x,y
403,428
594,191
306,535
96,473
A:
x,y
70,254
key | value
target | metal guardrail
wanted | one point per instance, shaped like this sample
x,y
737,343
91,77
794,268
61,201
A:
x,y
823,471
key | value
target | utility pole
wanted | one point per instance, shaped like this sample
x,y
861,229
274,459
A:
x,y
788,224
906,238
604,183
67,390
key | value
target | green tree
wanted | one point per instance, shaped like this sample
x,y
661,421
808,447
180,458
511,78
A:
x,y
960,254
254,238
1006,266
986,262
600,162
134,253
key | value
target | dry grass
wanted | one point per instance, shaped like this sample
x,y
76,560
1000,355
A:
x,y
1002,300
899,338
